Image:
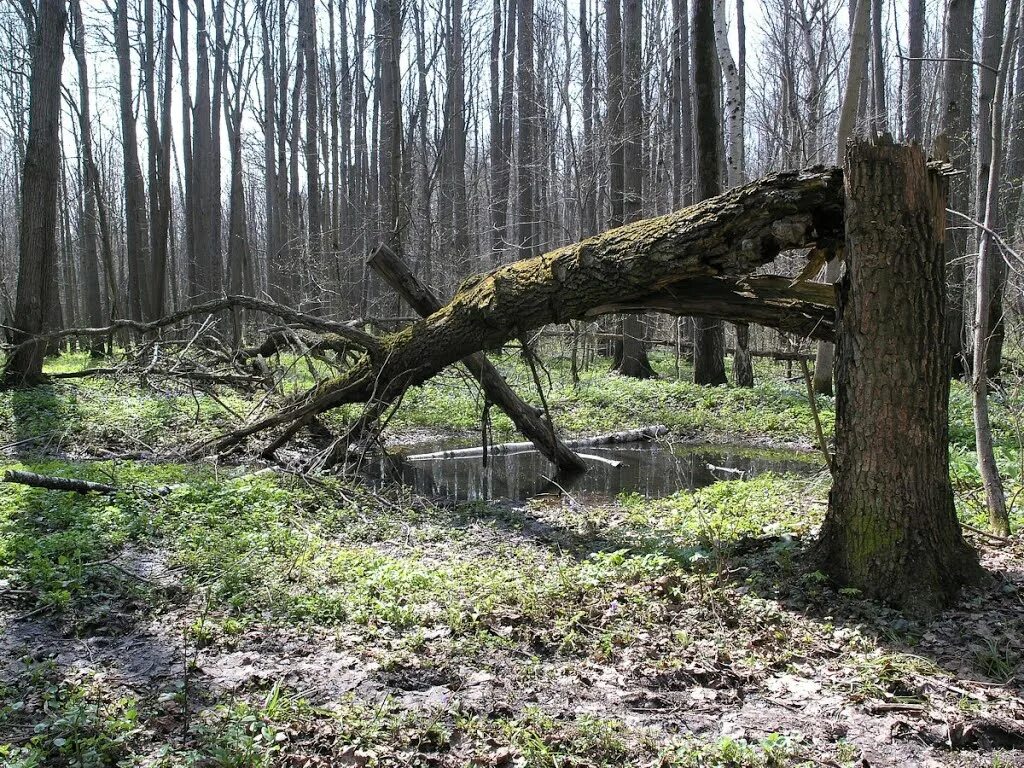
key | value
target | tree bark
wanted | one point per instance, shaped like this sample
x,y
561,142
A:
x,y
709,335
987,307
90,261
891,530
955,145
992,33
37,259
633,361
915,50
136,218
825,357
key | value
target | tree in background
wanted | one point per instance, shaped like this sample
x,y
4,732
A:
x,y
37,246
709,335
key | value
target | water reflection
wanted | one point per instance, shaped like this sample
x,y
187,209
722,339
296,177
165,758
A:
x,y
650,469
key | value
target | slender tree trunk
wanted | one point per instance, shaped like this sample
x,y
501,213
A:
x,y
90,261
308,50
855,86
915,50
1014,175
457,132
614,122
986,279
735,109
709,335
136,224
891,529
955,144
633,360
992,33
526,170
388,42
880,112
188,191
589,181
274,239
37,259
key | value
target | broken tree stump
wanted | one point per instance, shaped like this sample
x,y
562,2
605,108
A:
x,y
891,530
397,274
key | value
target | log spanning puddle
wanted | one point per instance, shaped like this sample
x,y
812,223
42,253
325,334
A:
x,y
651,469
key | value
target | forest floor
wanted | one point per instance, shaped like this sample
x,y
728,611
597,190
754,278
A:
x,y
233,615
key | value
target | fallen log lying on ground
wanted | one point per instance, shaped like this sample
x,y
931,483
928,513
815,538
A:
x,y
67,484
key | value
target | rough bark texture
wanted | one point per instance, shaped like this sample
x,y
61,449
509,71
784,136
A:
x,y
709,334
633,359
957,94
136,218
90,261
891,529
526,418
38,238
915,97
860,17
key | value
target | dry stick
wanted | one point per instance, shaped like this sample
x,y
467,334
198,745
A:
x,y
68,484
1000,539
360,338
814,412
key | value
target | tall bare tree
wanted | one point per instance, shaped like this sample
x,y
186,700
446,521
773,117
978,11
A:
x,y
709,335
136,216
37,247
954,144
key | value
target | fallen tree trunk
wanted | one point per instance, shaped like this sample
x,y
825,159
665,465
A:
x,y
728,236
502,449
526,419
67,484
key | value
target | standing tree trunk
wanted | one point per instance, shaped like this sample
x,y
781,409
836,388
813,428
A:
x,y
37,259
274,207
735,108
992,33
1014,173
986,321
954,144
879,111
855,77
388,46
308,50
136,224
915,50
891,529
90,262
526,213
633,361
709,335
158,141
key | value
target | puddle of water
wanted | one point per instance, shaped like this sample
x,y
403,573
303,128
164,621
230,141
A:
x,y
650,469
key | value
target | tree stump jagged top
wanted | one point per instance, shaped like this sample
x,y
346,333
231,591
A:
x,y
891,529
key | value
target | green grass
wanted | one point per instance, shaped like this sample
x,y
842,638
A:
x,y
271,552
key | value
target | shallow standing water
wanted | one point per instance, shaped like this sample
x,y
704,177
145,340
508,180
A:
x,y
651,469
